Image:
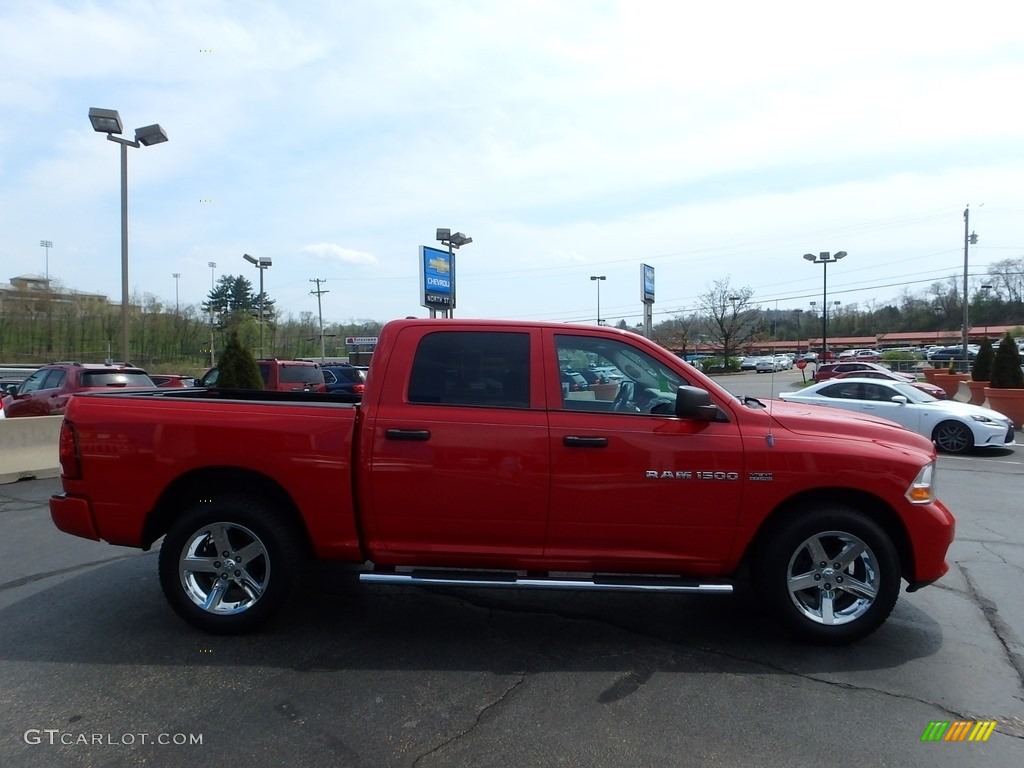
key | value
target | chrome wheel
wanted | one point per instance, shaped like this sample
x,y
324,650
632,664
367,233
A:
x,y
224,568
833,578
228,564
828,572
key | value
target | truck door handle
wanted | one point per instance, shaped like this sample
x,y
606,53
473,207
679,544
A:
x,y
407,434
572,441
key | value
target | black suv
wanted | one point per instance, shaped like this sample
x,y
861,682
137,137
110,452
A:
x,y
345,378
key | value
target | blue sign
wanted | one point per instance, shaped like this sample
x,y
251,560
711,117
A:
x,y
437,278
648,284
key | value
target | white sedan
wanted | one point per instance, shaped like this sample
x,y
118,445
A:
x,y
954,427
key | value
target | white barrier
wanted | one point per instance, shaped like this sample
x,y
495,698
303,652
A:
x,y
28,447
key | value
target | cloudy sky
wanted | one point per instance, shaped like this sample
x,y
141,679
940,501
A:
x,y
568,139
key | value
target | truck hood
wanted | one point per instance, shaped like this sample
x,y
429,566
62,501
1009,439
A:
x,y
818,420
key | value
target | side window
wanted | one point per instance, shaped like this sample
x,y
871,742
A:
x,y
55,379
481,368
33,382
611,376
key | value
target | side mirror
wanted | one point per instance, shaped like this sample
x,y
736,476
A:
x,y
695,403
900,399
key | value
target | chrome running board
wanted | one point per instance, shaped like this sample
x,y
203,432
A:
x,y
513,580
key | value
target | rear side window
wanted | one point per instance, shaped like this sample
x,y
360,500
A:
x,y
301,374
115,379
482,368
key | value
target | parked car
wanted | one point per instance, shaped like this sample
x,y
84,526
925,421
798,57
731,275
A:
x,y
749,363
862,355
172,380
828,370
928,388
954,427
281,376
573,381
9,386
945,354
769,364
47,391
344,378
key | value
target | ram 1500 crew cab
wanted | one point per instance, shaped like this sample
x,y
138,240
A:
x,y
470,460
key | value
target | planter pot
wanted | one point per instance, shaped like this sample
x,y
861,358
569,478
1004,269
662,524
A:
x,y
1009,402
930,374
950,383
604,391
977,391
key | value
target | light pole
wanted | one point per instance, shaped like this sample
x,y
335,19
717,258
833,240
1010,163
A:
x,y
47,244
984,297
262,263
799,316
453,241
177,277
970,239
598,279
108,121
213,266
824,258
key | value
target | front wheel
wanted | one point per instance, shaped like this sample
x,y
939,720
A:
x,y
953,437
830,574
226,566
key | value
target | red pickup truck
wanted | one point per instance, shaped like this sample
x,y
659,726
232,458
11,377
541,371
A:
x,y
470,461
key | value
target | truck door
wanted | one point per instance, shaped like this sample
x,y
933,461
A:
x,y
458,470
633,486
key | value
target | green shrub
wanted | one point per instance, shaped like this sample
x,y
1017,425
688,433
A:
x,y
238,369
981,370
1006,372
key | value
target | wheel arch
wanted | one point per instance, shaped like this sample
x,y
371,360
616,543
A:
x,y
211,482
866,503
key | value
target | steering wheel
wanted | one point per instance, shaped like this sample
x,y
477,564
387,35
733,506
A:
x,y
621,403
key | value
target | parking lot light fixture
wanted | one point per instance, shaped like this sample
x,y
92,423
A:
x,y
454,241
262,263
598,279
108,121
824,258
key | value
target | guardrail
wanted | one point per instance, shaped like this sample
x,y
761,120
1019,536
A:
x,y
28,448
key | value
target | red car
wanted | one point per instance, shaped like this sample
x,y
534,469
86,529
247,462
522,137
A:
x,y
172,380
47,391
828,370
931,389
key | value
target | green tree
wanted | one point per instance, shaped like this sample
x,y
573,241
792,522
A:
x,y
238,369
982,368
1006,372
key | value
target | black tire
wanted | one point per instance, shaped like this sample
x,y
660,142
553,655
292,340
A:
x,y
829,573
953,437
234,592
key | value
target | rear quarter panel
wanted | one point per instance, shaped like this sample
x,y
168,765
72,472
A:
x,y
133,449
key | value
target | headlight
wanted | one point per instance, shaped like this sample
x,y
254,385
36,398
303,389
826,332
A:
x,y
984,419
922,490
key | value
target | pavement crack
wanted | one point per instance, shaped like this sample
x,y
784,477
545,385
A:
x,y
61,571
479,720
1003,633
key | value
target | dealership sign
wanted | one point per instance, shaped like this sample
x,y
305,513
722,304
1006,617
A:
x,y
437,278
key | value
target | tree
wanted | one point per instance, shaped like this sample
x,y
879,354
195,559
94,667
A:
x,y
238,369
730,318
982,368
1006,372
234,300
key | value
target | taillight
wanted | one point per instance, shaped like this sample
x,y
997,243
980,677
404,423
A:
x,y
358,388
67,451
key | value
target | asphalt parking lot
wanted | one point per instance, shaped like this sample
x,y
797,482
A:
x,y
95,669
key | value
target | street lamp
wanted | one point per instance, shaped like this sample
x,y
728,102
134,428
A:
x,y
108,121
47,244
598,279
971,239
824,258
213,266
262,263
453,241
176,276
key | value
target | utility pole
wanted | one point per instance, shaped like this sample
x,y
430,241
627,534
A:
x,y
320,312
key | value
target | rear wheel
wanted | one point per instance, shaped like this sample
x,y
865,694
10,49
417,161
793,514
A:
x,y
227,566
830,574
953,437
